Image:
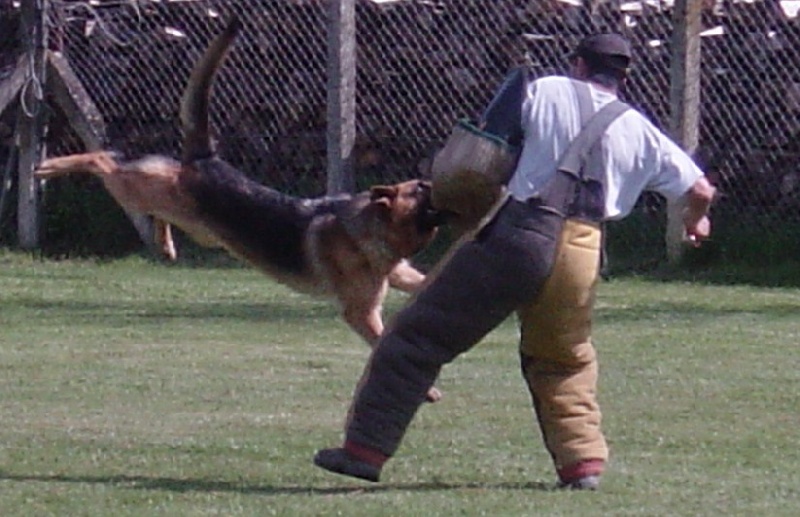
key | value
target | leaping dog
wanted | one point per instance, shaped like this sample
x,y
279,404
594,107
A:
x,y
352,247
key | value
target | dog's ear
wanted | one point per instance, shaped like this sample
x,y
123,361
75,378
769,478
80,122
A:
x,y
383,194
381,199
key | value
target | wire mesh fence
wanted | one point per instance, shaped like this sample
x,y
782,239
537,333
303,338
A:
x,y
423,64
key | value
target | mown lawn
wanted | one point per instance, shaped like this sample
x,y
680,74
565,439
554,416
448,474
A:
x,y
135,388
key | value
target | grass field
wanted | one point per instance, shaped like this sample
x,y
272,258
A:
x,y
134,388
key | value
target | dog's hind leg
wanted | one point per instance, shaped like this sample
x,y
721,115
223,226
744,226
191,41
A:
x,y
98,163
163,238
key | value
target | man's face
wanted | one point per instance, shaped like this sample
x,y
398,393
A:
x,y
577,68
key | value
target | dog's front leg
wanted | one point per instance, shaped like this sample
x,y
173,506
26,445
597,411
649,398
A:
x,y
365,318
406,277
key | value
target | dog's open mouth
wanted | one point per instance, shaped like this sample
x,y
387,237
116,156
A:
x,y
433,217
429,217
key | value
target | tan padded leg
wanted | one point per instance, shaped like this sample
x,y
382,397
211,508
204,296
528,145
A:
x,y
558,359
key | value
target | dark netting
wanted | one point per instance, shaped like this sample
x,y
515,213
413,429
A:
x,y
422,64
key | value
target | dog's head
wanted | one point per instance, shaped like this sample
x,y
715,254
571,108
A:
x,y
410,219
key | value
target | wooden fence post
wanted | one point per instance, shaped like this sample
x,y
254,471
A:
x,y
32,123
685,102
341,117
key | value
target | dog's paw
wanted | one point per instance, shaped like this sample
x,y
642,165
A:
x,y
433,395
168,250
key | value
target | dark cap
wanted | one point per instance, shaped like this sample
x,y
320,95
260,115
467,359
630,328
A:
x,y
609,49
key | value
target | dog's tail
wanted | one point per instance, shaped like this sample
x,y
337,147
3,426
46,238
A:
x,y
194,104
99,163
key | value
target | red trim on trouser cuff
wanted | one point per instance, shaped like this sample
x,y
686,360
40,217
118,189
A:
x,y
366,454
580,470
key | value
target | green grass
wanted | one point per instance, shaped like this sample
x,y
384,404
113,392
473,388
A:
x,y
134,388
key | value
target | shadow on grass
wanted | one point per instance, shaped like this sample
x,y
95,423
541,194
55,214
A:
x,y
769,275
688,310
242,487
149,311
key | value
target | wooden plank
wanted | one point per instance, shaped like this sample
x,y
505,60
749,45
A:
x,y
76,103
86,119
10,88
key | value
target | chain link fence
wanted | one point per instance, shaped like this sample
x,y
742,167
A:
x,y
422,64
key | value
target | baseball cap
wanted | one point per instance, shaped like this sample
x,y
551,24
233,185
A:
x,y
610,49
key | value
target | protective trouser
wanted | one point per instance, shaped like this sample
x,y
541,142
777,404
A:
x,y
558,360
484,282
556,352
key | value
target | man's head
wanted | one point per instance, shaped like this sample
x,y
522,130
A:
x,y
603,58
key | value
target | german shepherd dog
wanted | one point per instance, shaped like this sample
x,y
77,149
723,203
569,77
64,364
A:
x,y
352,247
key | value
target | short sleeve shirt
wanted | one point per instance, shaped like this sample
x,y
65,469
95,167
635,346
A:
x,y
636,156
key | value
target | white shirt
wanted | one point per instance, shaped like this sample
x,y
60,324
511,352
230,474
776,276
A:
x,y
636,155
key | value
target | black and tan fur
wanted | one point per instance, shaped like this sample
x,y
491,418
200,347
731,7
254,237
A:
x,y
350,246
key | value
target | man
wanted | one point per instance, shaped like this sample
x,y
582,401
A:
x,y
539,257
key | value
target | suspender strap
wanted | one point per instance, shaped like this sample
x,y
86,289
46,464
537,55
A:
x,y
574,157
574,191
585,102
